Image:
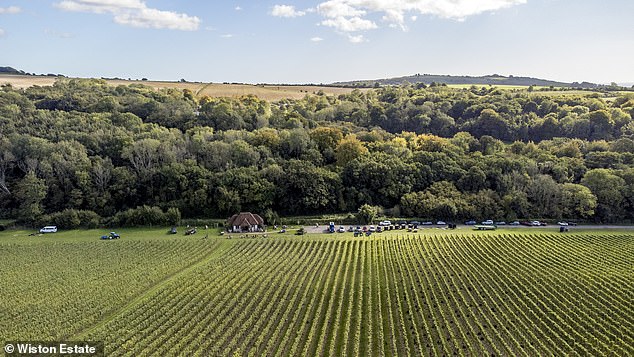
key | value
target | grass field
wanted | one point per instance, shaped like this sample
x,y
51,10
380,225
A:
x,y
267,92
511,292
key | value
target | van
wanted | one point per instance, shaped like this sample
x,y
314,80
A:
x,y
49,229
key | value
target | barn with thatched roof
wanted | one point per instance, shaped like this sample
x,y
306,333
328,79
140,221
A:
x,y
245,222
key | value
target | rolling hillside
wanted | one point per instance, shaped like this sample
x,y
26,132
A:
x,y
494,79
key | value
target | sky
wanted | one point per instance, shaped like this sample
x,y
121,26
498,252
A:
x,y
320,41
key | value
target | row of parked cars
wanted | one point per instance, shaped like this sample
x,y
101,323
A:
x,y
490,222
388,226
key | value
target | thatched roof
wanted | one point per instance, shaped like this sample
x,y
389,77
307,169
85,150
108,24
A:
x,y
245,219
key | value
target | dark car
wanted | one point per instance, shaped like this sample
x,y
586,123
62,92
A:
x,y
470,223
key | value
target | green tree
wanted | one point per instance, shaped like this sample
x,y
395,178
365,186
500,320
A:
x,y
349,149
367,213
577,201
608,188
30,193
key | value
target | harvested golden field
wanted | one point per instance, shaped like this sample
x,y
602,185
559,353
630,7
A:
x,y
267,92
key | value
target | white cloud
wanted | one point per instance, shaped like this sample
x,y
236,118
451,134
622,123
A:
x,y
2,33
134,13
356,38
338,8
238,8
351,24
286,11
350,15
394,10
353,16
10,10
316,39
227,35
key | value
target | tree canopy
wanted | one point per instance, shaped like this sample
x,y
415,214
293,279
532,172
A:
x,y
432,152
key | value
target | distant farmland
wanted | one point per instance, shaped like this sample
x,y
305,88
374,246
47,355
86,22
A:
x,y
267,92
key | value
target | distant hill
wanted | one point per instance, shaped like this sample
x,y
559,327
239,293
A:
x,y
494,79
10,70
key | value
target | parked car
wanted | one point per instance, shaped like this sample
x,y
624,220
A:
x,y
49,229
341,229
385,223
535,223
563,223
488,222
372,228
350,229
470,223
441,223
379,229
401,222
500,223
515,223
365,229
426,223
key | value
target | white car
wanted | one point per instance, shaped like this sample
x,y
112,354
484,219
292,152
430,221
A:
x,y
563,223
488,222
342,229
49,229
385,223
372,229
535,223
441,223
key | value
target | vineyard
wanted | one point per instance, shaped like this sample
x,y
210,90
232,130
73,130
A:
x,y
515,294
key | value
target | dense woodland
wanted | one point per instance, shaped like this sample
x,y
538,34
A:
x,y
83,153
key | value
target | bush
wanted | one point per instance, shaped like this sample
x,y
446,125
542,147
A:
x,y
71,219
146,216
368,213
173,216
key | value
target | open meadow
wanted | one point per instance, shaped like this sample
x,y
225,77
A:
x,y
512,292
